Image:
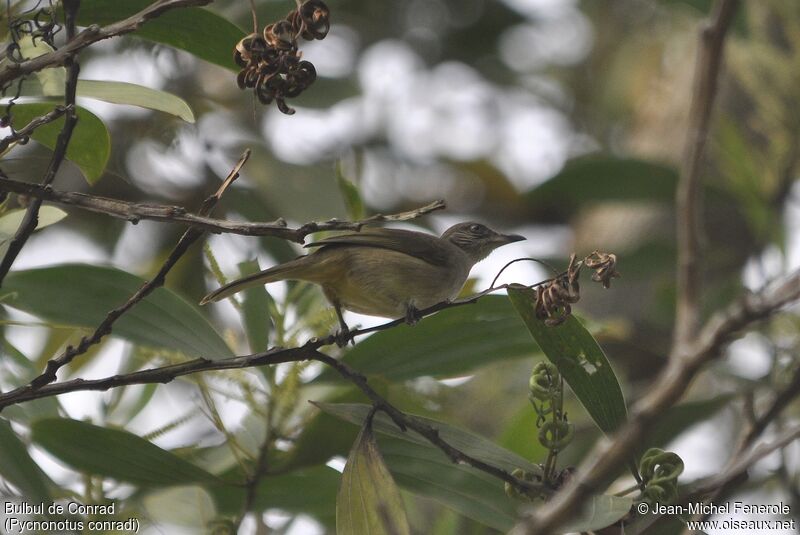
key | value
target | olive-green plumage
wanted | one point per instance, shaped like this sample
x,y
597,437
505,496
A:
x,y
384,272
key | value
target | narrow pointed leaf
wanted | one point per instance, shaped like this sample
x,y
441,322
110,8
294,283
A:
x,y
82,295
426,471
450,343
580,360
118,93
114,453
369,502
350,195
255,310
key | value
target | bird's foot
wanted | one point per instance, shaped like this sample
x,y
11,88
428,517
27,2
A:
x,y
342,336
412,315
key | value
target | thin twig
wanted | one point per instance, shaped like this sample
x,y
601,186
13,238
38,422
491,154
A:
x,y
29,128
403,421
91,35
189,237
688,196
135,212
31,218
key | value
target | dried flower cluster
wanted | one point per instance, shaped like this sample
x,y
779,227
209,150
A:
x,y
270,61
554,299
604,266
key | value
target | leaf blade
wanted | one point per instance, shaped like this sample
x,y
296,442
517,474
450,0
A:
x,y
115,453
368,500
450,343
86,294
579,359
90,145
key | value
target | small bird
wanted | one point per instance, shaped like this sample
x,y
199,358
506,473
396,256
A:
x,y
384,272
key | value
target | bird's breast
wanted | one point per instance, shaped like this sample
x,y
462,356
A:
x,y
381,282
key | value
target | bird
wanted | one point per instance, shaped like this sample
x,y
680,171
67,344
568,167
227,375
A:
x,y
384,272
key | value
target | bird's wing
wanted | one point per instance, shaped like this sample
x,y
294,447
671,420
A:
x,y
420,245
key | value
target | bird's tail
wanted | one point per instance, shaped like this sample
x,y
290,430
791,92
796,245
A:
x,y
292,270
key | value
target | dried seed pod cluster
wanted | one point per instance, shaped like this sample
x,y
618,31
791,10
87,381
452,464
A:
x,y
554,298
270,61
604,266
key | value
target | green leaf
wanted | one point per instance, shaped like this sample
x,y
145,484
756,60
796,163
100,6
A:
x,y
580,360
136,95
323,436
350,195
115,453
369,501
48,215
118,93
426,471
82,295
199,31
89,147
17,467
469,443
10,222
450,343
255,310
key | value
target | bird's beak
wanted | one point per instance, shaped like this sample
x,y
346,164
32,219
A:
x,y
504,239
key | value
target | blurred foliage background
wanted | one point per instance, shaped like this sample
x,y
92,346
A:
x,y
561,120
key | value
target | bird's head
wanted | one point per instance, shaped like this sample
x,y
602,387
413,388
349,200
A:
x,y
477,240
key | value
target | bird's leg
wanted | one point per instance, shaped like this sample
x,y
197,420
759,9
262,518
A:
x,y
344,331
412,314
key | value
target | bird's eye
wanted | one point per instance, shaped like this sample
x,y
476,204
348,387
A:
x,y
475,228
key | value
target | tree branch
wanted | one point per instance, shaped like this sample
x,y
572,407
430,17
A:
x,y
31,218
135,212
91,35
670,385
688,201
